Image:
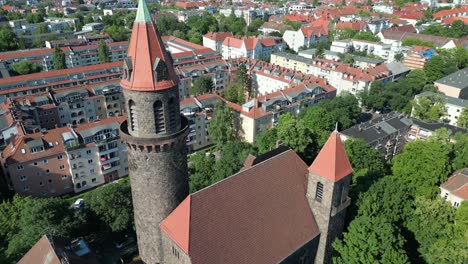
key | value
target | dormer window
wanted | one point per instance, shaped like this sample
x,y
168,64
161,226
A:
x,y
160,70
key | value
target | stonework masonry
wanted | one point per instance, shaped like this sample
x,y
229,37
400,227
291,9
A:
x,y
159,184
329,212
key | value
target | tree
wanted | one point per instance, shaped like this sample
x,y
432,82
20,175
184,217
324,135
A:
x,y
242,78
112,204
367,163
294,134
224,127
201,85
7,39
42,29
399,56
460,151
423,165
266,140
319,121
366,36
234,93
417,42
35,18
59,59
50,216
344,109
103,52
371,240
429,108
201,167
117,32
233,155
438,67
429,221
25,67
463,118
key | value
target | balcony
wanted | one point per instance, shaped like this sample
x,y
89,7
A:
x,y
336,209
108,168
107,160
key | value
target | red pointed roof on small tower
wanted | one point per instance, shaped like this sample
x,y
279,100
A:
x,y
145,49
332,162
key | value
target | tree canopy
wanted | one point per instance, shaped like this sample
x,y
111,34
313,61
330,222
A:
x,y
224,127
25,67
7,39
428,108
103,52
59,58
201,85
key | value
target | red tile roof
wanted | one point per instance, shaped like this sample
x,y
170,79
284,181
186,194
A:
x,y
458,183
41,252
354,25
450,20
259,215
40,75
145,47
332,162
218,36
451,12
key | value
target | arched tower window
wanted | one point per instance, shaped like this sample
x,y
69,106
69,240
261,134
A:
x,y
319,192
133,115
159,117
172,114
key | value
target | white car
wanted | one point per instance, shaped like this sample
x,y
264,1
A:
x,y
78,203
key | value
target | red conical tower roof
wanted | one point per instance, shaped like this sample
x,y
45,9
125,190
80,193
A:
x,y
146,52
332,162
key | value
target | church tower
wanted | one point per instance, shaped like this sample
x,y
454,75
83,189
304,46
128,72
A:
x,y
327,191
154,133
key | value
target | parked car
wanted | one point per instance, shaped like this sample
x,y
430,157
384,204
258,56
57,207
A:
x,y
78,203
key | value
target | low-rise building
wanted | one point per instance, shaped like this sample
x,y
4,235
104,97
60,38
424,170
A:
x,y
418,56
214,40
455,189
65,160
455,84
388,133
453,106
251,47
305,36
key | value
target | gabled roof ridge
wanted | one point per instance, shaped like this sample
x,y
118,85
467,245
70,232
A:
x,y
241,171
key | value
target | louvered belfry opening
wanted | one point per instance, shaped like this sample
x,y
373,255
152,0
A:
x,y
159,117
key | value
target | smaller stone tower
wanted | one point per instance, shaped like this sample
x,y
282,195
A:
x,y
327,191
154,132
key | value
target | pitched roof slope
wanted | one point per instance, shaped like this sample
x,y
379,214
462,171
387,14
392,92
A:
x,y
41,252
259,215
146,46
332,162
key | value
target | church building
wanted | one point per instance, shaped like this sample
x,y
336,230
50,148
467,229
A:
x,y
277,209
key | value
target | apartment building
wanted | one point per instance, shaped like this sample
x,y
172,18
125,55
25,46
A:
x,y
190,65
385,51
251,47
305,36
214,40
262,113
344,77
49,110
455,84
453,106
44,81
199,110
65,160
75,56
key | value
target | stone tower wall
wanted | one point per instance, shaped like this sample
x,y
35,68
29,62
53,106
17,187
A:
x,y
158,170
329,213
145,119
